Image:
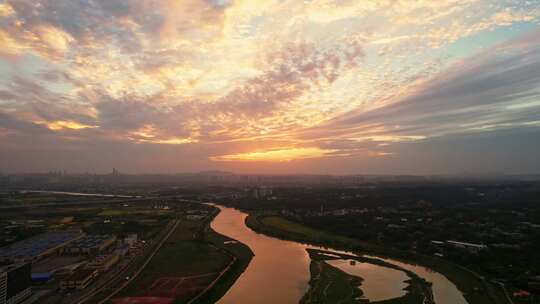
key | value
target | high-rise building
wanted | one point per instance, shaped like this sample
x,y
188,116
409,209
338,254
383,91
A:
x,y
3,287
15,283
260,192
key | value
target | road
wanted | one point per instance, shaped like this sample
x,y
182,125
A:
x,y
124,268
76,203
132,277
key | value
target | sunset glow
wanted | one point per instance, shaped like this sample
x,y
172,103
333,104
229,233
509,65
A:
x,y
276,155
63,124
204,84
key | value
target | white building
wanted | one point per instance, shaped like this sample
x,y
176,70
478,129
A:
x,y
468,246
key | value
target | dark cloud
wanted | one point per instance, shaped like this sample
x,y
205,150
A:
x,y
125,114
481,89
11,123
7,95
31,97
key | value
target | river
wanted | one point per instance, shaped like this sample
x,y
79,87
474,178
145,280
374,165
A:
x,y
279,271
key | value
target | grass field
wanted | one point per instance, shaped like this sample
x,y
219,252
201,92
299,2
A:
x,y
243,256
409,298
331,285
184,258
120,212
417,288
191,259
283,224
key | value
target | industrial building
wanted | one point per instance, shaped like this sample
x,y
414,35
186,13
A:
x,y
89,245
15,283
130,239
80,279
39,246
261,192
103,262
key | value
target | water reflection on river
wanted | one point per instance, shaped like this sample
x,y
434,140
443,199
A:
x,y
444,291
279,271
380,283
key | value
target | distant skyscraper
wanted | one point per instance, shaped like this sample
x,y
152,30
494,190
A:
x,y
261,192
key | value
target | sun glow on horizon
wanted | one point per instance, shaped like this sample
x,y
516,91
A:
x,y
279,155
211,83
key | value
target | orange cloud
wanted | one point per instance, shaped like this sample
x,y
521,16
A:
x,y
278,155
5,10
65,124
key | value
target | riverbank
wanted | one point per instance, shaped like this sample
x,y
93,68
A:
x,y
331,285
473,288
418,290
195,265
242,257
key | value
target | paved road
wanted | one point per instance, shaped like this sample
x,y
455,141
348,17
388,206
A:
x,y
126,282
110,201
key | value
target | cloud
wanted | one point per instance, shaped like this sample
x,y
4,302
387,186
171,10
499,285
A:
x,y
11,123
36,102
276,155
475,92
312,79
5,10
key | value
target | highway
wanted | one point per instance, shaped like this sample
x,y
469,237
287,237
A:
x,y
120,277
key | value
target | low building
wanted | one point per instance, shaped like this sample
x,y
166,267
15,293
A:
x,y
195,217
130,239
15,283
37,247
80,279
474,248
122,250
90,245
521,294
41,277
103,262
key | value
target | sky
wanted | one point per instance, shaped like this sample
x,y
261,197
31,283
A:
x,y
270,86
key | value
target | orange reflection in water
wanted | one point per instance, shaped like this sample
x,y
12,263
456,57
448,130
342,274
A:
x,y
279,271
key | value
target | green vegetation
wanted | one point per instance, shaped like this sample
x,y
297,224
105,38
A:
x,y
243,256
120,212
470,285
191,259
194,262
283,228
119,228
301,230
331,285
408,298
417,290
28,199
183,255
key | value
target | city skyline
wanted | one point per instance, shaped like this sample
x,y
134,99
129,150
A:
x,y
274,87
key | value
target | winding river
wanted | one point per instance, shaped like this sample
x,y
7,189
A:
x,y
279,271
